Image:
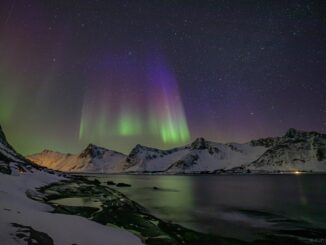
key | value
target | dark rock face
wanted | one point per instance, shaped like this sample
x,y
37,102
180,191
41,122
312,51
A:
x,y
291,133
321,154
202,144
266,142
2,135
4,167
32,236
199,144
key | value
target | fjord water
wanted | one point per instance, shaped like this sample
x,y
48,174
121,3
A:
x,y
241,206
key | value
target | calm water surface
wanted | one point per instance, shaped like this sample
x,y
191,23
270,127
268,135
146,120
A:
x,y
242,206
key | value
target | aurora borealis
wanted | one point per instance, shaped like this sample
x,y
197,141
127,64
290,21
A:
x,y
159,73
113,108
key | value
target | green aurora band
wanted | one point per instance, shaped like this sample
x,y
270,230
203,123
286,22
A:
x,y
107,114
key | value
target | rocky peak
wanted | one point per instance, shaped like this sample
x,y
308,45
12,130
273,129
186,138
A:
x,y
292,132
200,144
92,151
140,148
295,133
47,151
136,153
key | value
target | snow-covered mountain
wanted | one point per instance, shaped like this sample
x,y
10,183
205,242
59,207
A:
x,y
92,159
296,150
199,156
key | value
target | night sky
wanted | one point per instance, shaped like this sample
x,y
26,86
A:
x,y
159,73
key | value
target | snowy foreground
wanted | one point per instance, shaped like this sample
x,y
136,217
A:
x,y
40,207
17,208
27,221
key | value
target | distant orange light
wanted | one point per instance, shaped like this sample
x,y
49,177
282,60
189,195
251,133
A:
x,y
297,172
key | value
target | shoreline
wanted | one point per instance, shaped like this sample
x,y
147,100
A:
x,y
200,174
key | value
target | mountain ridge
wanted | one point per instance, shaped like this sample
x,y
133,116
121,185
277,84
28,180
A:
x,y
201,155
89,160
